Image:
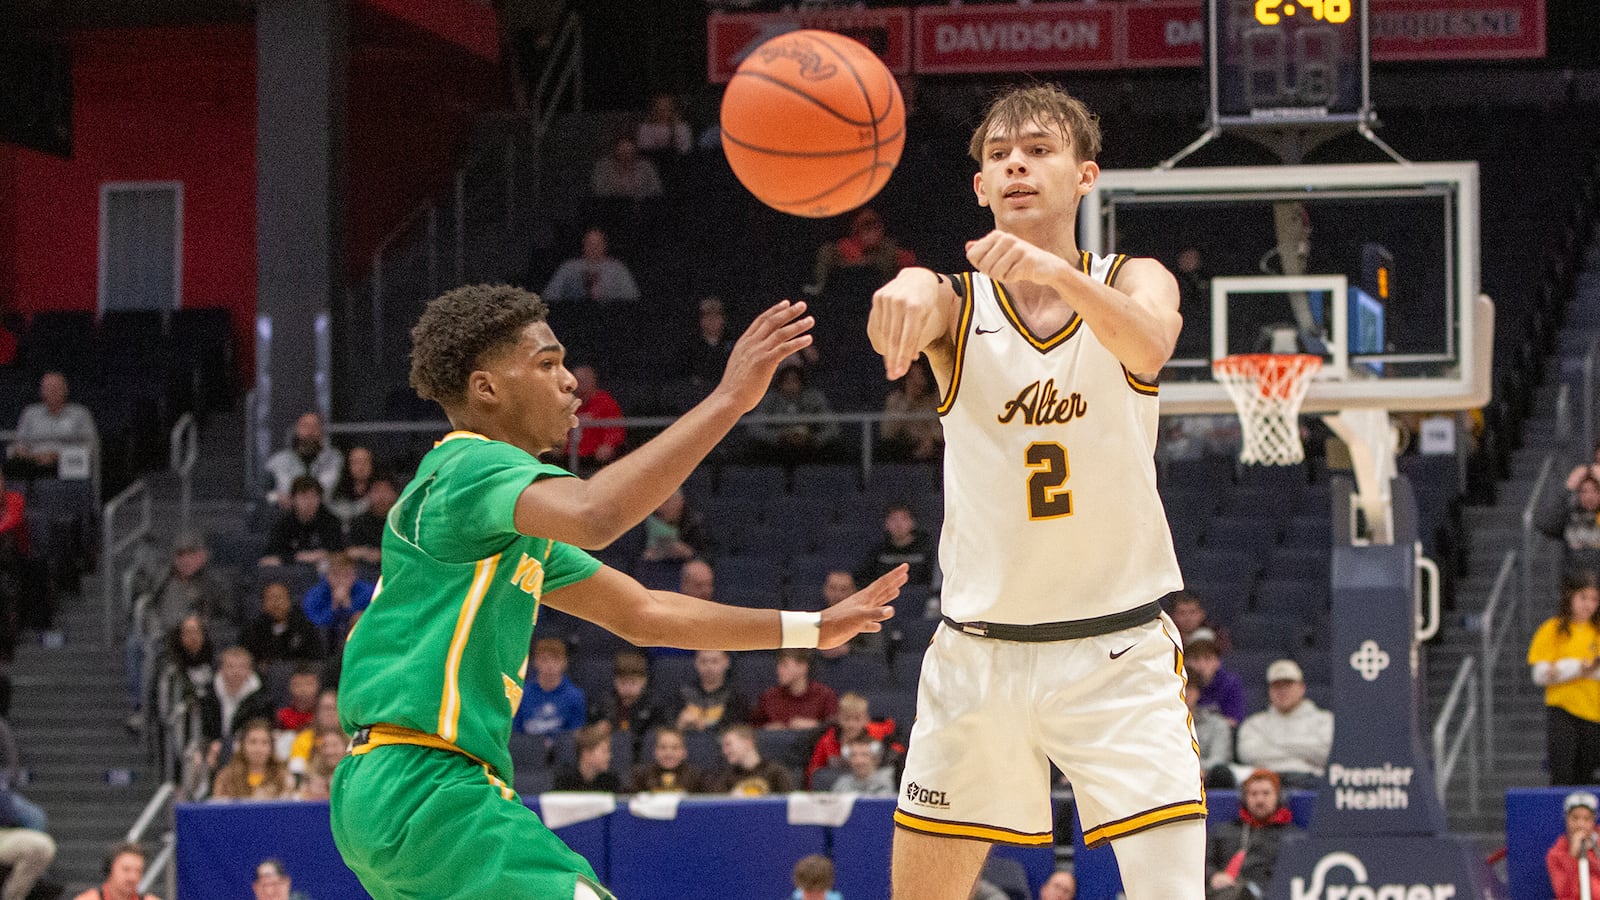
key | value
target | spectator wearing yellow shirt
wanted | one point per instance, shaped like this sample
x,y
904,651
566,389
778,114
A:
x,y
1565,657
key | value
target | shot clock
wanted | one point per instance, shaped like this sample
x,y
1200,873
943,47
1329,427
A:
x,y
1287,62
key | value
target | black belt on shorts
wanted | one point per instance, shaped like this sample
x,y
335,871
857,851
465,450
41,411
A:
x,y
1060,631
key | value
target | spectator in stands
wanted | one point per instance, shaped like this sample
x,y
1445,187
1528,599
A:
x,y
836,586
1061,885
914,440
903,542
1575,521
187,667
124,869
1215,734
855,721
867,775
593,770
306,532
339,596
348,498
1292,736
330,747
669,770
324,721
27,851
281,631
664,134
1220,687
364,534
1241,855
1575,843
1590,469
710,702
697,579
624,173
799,442
596,275
1563,657
598,445
305,685
189,587
273,882
254,772
867,247
629,707
306,456
705,356
14,566
674,532
1189,614
551,703
236,697
813,879
746,773
796,701
48,429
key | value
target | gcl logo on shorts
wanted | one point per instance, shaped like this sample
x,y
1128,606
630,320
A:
x,y
921,796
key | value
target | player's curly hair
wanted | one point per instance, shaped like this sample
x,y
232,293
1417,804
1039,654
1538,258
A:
x,y
1051,106
459,328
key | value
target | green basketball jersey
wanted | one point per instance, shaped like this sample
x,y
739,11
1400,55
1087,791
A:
x,y
443,649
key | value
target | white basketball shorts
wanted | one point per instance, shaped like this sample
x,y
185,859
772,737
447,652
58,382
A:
x,y
992,715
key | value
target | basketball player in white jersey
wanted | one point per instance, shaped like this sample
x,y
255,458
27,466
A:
x,y
1055,547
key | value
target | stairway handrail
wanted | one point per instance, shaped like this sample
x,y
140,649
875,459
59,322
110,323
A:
x,y
111,545
1530,544
1591,362
1448,746
183,452
565,69
1492,638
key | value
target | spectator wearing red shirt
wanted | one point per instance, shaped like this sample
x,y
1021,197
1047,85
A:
x,y
795,701
1578,841
855,720
13,520
304,686
14,580
597,446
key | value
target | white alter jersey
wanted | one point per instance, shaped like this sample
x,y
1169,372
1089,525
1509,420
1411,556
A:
x,y
1051,511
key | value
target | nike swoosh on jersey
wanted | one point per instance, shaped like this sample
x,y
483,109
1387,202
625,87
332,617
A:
x,y
979,329
1118,653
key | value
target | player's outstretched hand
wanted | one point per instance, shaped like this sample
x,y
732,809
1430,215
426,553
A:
x,y
1006,257
783,329
906,317
864,611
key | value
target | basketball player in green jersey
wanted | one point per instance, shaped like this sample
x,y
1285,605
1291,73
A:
x,y
423,807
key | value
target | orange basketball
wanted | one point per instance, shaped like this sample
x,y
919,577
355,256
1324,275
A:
x,y
813,123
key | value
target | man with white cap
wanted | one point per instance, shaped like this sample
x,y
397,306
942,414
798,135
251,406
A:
x,y
1292,736
1565,857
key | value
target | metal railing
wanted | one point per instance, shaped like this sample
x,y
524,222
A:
x,y
112,545
1591,362
1532,540
1449,744
161,865
1498,615
561,73
183,451
1564,413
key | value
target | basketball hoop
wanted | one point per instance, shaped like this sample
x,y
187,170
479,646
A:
x,y
1268,388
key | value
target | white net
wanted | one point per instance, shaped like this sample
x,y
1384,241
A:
x,y
1268,389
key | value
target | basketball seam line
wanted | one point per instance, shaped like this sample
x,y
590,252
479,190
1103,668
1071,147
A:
x,y
805,154
866,189
800,93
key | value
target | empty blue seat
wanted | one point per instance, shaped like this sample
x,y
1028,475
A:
x,y
1300,561
1250,533
750,581
826,481
757,482
1268,632
1297,598
1217,564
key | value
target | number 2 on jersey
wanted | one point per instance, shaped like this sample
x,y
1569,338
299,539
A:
x,y
1047,499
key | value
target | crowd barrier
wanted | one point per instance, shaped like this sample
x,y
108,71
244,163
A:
x,y
698,849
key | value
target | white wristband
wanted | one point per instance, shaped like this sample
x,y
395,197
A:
x,y
801,629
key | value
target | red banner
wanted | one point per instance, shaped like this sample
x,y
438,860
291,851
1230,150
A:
x,y
731,36
1041,36
1065,37
1163,33
1457,29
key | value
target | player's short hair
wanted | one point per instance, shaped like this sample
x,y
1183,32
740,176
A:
x,y
1051,107
853,702
460,328
631,662
550,647
813,873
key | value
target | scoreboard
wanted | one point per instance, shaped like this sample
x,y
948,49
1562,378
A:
x,y
1287,62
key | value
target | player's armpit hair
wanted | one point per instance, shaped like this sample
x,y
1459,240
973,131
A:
x,y
459,328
